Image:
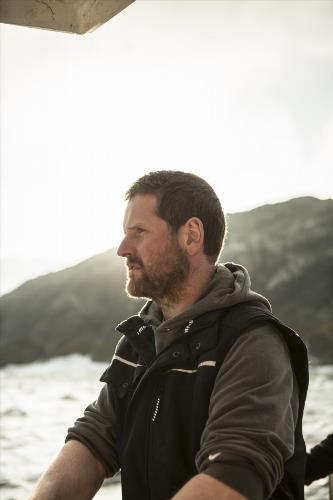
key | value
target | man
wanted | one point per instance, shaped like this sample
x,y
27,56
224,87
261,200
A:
x,y
205,393
319,460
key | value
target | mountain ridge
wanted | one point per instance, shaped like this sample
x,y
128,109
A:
x,y
286,246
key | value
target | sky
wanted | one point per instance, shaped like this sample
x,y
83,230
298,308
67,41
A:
x,y
238,92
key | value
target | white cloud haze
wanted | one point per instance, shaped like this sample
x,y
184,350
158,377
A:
x,y
237,92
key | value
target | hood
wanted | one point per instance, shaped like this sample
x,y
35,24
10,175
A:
x,y
230,285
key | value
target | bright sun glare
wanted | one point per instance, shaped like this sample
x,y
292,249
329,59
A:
x,y
238,93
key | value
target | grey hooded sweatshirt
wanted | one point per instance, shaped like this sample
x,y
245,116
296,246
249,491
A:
x,y
249,433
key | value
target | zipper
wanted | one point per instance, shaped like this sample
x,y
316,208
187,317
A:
x,y
157,405
154,409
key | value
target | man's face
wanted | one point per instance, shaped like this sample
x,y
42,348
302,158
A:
x,y
156,265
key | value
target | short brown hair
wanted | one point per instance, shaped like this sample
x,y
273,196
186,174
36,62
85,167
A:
x,y
180,196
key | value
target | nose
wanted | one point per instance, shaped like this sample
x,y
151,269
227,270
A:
x,y
124,248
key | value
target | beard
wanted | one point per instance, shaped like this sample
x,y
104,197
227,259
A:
x,y
162,280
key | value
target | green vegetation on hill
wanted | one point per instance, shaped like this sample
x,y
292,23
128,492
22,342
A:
x,y
287,247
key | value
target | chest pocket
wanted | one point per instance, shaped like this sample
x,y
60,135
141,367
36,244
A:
x,y
121,375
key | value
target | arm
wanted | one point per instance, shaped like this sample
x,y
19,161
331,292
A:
x,y
206,487
87,458
253,410
75,473
319,461
96,430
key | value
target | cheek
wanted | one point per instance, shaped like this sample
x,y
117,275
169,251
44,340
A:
x,y
151,252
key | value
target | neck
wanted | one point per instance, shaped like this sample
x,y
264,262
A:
x,y
196,283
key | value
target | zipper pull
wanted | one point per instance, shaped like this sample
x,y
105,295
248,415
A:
x,y
141,329
157,405
188,326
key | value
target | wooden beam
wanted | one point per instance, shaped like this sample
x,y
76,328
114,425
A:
x,y
74,16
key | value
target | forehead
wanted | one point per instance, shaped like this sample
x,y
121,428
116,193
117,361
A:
x,y
142,209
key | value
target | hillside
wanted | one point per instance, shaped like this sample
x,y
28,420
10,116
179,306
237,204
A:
x,y
287,247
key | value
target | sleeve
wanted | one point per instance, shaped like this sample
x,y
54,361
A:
x,y
96,431
253,410
319,461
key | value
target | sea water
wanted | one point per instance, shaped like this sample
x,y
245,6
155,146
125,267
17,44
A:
x,y
41,400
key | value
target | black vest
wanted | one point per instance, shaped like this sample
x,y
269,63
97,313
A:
x,y
160,414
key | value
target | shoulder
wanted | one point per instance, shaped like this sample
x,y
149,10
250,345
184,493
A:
x,y
262,340
260,354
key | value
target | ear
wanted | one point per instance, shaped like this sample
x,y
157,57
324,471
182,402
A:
x,y
191,236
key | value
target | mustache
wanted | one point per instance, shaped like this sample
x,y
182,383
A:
x,y
130,261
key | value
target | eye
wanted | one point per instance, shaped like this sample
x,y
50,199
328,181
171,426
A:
x,y
139,230
136,231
